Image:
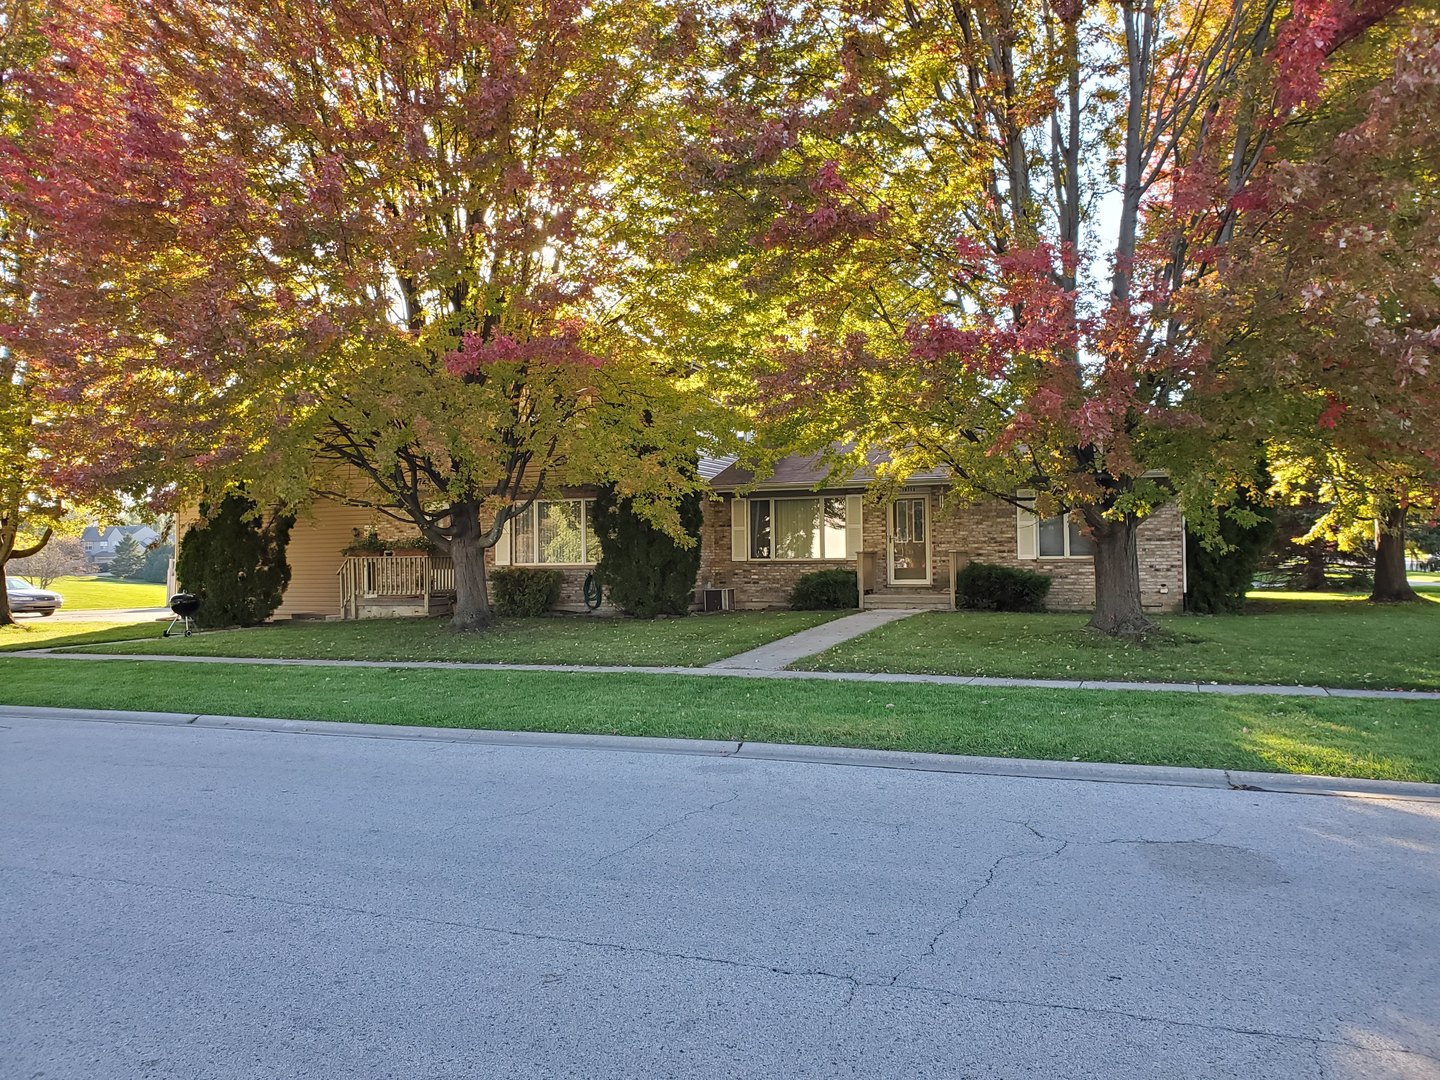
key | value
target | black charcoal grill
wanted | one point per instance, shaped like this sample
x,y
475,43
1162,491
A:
x,y
184,605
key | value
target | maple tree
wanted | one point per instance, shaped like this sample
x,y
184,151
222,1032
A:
x,y
29,507
962,234
1331,306
391,254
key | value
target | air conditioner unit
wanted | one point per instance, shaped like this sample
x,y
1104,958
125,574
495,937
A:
x,y
717,600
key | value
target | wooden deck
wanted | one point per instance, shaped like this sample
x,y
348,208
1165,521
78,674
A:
x,y
393,586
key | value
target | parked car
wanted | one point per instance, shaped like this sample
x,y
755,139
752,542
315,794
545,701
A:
x,y
1432,564
27,599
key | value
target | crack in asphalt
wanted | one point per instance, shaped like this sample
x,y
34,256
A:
x,y
955,920
668,825
1145,1018
454,924
468,823
1214,832
854,982
1145,840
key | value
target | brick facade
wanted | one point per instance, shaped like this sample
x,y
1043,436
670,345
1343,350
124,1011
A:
x,y
758,583
981,532
572,576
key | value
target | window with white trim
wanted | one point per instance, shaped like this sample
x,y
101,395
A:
x,y
555,532
803,528
1060,538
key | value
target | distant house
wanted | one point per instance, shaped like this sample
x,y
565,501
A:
x,y
100,541
759,536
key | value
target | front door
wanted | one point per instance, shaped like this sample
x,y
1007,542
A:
x,y
909,542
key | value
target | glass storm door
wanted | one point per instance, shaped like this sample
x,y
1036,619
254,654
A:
x,y
909,543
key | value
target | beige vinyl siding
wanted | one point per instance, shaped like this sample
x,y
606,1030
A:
x,y
319,533
184,518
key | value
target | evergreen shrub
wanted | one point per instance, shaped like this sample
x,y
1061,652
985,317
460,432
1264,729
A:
x,y
987,587
646,571
522,591
826,590
1217,581
157,564
234,559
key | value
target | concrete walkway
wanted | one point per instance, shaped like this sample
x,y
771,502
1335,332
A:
x,y
753,673
777,655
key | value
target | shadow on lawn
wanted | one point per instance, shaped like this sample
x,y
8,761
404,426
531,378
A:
x,y
41,634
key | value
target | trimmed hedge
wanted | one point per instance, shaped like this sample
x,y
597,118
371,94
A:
x,y
521,590
826,590
987,587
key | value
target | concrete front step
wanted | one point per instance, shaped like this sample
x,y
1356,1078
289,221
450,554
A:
x,y
919,601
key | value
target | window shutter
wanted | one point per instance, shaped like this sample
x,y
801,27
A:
x,y
1026,525
502,547
739,529
854,525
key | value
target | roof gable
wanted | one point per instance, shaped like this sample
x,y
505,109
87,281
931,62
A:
x,y
810,472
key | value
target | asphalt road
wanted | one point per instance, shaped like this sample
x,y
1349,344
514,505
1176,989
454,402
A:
x,y
187,903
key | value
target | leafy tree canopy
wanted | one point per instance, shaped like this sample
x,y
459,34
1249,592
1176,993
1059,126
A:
x,y
404,251
965,235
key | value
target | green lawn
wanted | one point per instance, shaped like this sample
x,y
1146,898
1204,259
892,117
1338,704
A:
x,y
691,641
1383,739
31,633
97,593
1329,639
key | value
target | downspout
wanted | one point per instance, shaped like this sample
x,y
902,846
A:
x,y
1184,562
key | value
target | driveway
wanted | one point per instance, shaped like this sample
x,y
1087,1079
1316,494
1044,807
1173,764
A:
x,y
203,903
121,615
116,615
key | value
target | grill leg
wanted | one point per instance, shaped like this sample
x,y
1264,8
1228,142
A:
x,y
182,621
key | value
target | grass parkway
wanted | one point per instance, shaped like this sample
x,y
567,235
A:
x,y
1330,640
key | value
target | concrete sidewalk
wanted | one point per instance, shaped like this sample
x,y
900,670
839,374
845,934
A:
x,y
752,673
776,655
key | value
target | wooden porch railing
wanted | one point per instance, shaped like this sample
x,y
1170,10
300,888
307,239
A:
x,y
392,577
864,574
869,574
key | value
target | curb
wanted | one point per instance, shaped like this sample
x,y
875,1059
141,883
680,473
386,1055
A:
x,y
1016,768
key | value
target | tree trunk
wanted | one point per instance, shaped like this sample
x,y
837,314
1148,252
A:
x,y
7,552
1392,584
1118,611
472,598
1312,575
